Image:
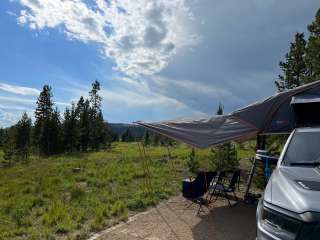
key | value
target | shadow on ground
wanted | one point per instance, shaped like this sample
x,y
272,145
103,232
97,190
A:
x,y
223,222
171,220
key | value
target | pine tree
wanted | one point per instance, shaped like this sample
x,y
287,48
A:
x,y
42,113
66,128
104,136
43,138
192,162
294,67
22,137
127,136
95,98
95,103
8,153
83,108
71,131
98,129
220,109
223,156
2,134
313,50
8,147
55,133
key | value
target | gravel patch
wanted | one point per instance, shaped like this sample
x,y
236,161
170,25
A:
x,y
172,220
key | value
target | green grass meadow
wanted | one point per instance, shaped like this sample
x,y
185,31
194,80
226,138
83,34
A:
x,y
71,196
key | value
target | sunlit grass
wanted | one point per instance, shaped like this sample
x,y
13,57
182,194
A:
x,y
69,196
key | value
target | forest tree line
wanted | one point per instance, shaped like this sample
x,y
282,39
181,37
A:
x,y
147,138
80,129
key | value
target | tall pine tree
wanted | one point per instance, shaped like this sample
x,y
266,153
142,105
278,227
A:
x,y
71,131
224,157
98,129
47,125
22,137
313,50
294,67
55,132
2,135
8,151
43,114
83,108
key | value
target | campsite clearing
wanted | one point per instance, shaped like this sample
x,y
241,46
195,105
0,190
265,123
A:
x,y
72,195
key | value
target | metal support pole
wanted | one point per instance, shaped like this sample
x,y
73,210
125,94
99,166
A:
x,y
261,145
171,161
145,168
252,171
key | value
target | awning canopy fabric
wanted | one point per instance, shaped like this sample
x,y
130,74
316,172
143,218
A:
x,y
204,132
272,115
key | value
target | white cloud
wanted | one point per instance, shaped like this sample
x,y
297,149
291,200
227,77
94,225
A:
x,y
24,101
138,99
18,89
141,36
188,85
12,108
8,118
27,101
134,94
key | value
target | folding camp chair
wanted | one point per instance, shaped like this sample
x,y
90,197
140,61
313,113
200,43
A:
x,y
225,185
196,189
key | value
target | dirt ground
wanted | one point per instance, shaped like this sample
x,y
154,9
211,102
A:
x,y
172,220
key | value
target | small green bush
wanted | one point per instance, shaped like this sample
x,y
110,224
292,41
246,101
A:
x,y
192,162
136,204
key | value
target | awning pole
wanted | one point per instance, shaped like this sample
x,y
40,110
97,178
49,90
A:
x,y
171,161
252,171
145,167
147,164
261,145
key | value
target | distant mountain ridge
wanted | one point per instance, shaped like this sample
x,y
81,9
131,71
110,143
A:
x,y
120,128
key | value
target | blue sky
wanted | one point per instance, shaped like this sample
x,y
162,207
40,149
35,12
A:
x,y
155,59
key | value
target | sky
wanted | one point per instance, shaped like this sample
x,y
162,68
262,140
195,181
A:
x,y
156,60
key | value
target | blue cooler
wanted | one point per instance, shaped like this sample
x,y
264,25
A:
x,y
268,160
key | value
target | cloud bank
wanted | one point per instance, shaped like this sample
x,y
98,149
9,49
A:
x,y
18,89
141,36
